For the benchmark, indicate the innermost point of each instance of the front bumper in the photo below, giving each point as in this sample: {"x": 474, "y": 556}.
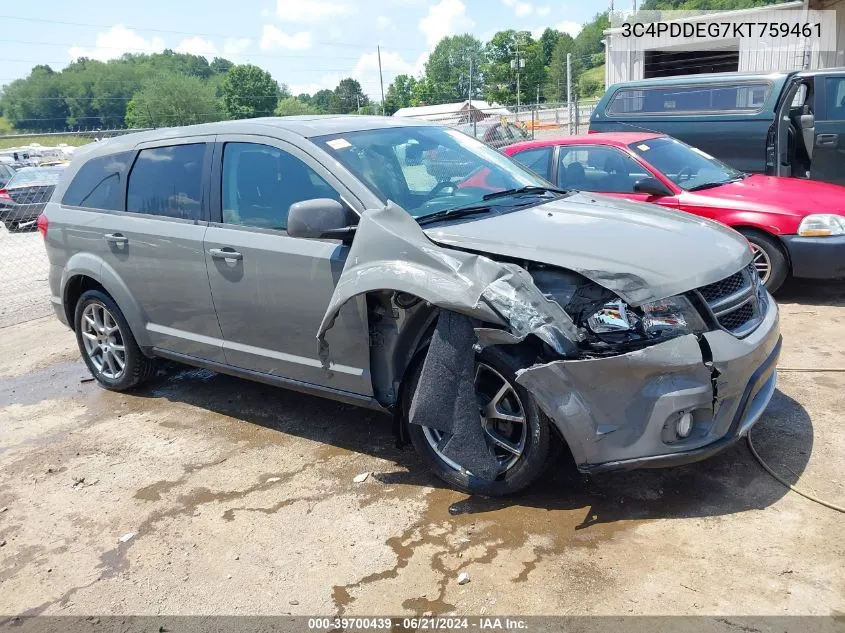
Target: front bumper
{"x": 816, "y": 257}
{"x": 620, "y": 412}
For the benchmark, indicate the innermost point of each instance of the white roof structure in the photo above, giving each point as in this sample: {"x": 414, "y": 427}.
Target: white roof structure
{"x": 447, "y": 110}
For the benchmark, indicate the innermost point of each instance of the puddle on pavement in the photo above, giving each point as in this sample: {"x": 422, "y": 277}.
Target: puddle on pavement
{"x": 62, "y": 380}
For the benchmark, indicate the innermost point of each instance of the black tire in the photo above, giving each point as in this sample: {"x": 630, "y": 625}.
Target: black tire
{"x": 778, "y": 262}
{"x": 521, "y": 474}
{"x": 137, "y": 368}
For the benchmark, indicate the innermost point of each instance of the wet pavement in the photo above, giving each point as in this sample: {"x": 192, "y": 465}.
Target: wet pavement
{"x": 202, "y": 493}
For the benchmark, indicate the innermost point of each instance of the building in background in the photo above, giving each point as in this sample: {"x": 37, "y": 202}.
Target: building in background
{"x": 630, "y": 58}
{"x": 460, "y": 112}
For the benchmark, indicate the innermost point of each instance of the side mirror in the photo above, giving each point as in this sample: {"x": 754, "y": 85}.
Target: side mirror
{"x": 652, "y": 186}
{"x": 321, "y": 218}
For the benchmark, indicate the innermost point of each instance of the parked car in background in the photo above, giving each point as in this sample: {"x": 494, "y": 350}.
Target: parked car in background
{"x": 779, "y": 124}
{"x": 231, "y": 245}
{"x": 23, "y": 198}
{"x": 6, "y": 173}
{"x": 496, "y": 134}
{"x": 795, "y": 227}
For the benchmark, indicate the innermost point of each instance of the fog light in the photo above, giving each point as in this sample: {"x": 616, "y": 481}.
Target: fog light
{"x": 684, "y": 426}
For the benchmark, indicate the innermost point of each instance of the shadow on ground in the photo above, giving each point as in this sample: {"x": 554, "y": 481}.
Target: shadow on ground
{"x": 728, "y": 483}
{"x": 812, "y": 292}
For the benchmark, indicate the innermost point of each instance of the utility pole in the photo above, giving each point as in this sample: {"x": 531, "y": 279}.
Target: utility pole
{"x": 569, "y": 90}
{"x": 517, "y": 64}
{"x": 472, "y": 116}
{"x": 380, "y": 78}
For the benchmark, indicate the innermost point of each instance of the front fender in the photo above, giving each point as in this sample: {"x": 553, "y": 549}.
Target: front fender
{"x": 391, "y": 252}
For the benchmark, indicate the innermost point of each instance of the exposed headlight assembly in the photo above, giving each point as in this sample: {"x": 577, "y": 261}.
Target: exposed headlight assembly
{"x": 662, "y": 319}
{"x": 822, "y": 224}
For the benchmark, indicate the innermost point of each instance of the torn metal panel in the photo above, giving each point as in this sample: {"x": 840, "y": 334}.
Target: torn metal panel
{"x": 391, "y": 252}
{"x": 639, "y": 251}
{"x": 445, "y": 398}
{"x": 615, "y": 408}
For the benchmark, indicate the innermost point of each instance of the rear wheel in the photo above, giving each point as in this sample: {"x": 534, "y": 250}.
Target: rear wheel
{"x": 107, "y": 345}
{"x": 513, "y": 427}
{"x": 769, "y": 259}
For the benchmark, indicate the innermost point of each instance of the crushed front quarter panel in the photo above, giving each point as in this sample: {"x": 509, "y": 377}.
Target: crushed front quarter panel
{"x": 391, "y": 252}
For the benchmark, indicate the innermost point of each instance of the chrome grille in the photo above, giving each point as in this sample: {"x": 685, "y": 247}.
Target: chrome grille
{"x": 737, "y": 303}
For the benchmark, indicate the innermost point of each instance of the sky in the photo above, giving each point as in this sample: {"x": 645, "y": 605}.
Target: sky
{"x": 306, "y": 44}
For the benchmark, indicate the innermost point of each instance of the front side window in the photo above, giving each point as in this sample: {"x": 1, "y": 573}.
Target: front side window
{"x": 167, "y": 181}
{"x": 261, "y": 182}
{"x": 97, "y": 185}
{"x": 688, "y": 167}
{"x": 426, "y": 169}
{"x": 597, "y": 168}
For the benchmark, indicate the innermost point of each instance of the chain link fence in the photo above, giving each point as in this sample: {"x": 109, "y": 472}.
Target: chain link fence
{"x": 30, "y": 166}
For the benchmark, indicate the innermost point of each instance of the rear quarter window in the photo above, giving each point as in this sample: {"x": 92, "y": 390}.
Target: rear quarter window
{"x": 693, "y": 99}
{"x": 167, "y": 181}
{"x": 99, "y": 183}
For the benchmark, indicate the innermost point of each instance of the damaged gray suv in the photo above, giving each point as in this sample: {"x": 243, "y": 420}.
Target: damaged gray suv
{"x": 409, "y": 268}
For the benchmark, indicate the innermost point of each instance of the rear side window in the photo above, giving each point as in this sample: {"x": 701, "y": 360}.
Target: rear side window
{"x": 167, "y": 181}
{"x": 98, "y": 183}
{"x": 746, "y": 97}
{"x": 538, "y": 160}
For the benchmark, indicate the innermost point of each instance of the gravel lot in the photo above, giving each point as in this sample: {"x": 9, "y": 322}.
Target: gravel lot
{"x": 204, "y": 494}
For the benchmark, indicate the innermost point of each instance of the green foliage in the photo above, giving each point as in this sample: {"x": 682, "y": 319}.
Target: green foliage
{"x": 447, "y": 71}
{"x": 709, "y": 5}
{"x": 400, "y": 93}
{"x": 171, "y": 100}
{"x": 322, "y": 99}
{"x": 293, "y": 105}
{"x": 347, "y": 98}
{"x": 591, "y": 82}
{"x": 5, "y": 126}
{"x": 555, "y": 89}
{"x": 501, "y": 78}
{"x": 249, "y": 92}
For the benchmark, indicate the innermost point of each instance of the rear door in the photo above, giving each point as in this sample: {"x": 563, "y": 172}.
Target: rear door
{"x": 828, "y": 161}
{"x": 271, "y": 290}
{"x": 148, "y": 229}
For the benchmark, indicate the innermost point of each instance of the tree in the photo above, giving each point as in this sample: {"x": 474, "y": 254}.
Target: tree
{"x": 322, "y": 100}
{"x": 35, "y": 103}
{"x": 292, "y": 105}
{"x": 347, "y": 97}
{"x": 173, "y": 100}
{"x": 589, "y": 41}
{"x": 556, "y": 74}
{"x": 250, "y": 92}
{"x": 220, "y": 65}
{"x": 448, "y": 67}
{"x": 548, "y": 40}
{"x": 501, "y": 79}
{"x": 400, "y": 93}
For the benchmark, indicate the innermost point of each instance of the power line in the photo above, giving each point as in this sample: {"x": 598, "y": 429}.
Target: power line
{"x": 184, "y": 33}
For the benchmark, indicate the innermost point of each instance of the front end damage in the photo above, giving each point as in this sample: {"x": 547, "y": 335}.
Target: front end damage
{"x": 616, "y": 402}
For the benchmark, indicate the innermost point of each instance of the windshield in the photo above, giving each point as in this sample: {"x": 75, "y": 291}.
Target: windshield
{"x": 688, "y": 167}
{"x": 38, "y": 176}
{"x": 427, "y": 170}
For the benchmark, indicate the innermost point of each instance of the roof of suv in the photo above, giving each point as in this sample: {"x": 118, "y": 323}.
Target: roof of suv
{"x": 303, "y": 125}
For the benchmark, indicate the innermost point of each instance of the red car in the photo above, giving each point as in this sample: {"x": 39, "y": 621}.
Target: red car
{"x": 795, "y": 227}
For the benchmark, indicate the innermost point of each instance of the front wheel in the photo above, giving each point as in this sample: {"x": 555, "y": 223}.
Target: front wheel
{"x": 107, "y": 345}
{"x": 769, "y": 259}
{"x": 513, "y": 427}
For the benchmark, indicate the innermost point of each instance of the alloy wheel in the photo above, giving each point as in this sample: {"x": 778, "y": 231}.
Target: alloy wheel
{"x": 103, "y": 341}
{"x": 762, "y": 262}
{"x": 501, "y": 415}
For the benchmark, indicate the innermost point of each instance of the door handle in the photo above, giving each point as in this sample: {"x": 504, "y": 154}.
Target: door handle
{"x": 224, "y": 253}
{"x": 827, "y": 140}
{"x": 115, "y": 238}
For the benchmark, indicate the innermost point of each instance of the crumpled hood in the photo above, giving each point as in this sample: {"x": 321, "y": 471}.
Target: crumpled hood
{"x": 640, "y": 251}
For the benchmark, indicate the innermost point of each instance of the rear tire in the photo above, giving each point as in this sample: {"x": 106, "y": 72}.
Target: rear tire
{"x": 107, "y": 345}
{"x": 522, "y": 472}
{"x": 769, "y": 254}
